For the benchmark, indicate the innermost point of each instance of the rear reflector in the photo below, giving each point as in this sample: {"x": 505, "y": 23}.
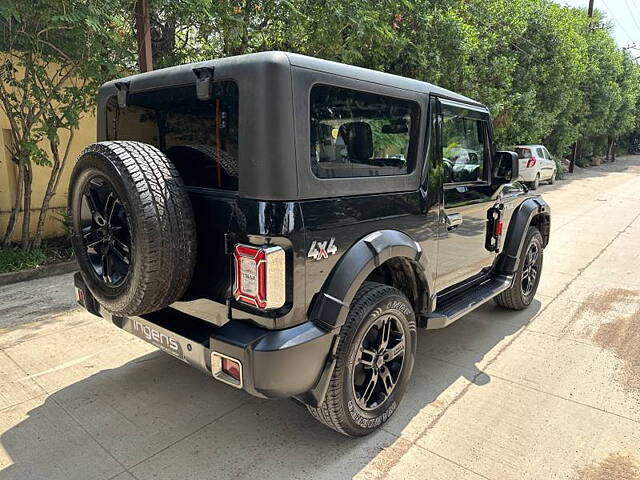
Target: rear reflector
{"x": 498, "y": 229}
{"x": 226, "y": 369}
{"x": 231, "y": 368}
{"x": 259, "y": 276}
{"x": 80, "y": 296}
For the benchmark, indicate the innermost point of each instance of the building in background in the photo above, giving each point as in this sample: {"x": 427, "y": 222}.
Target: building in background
{"x": 85, "y": 135}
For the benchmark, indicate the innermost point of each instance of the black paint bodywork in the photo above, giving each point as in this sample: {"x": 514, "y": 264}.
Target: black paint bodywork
{"x": 373, "y": 220}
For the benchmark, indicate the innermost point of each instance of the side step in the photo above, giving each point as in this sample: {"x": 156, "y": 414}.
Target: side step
{"x": 454, "y": 308}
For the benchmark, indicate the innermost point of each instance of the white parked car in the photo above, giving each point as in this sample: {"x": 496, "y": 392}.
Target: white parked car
{"x": 536, "y": 165}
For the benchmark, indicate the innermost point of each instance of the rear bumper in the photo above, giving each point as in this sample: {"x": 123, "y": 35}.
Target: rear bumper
{"x": 275, "y": 363}
{"x": 528, "y": 174}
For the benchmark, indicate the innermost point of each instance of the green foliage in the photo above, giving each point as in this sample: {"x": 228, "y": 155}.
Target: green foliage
{"x": 548, "y": 73}
{"x": 53, "y": 56}
{"x": 14, "y": 258}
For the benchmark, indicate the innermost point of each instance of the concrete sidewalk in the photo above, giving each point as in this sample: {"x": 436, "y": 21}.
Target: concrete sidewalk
{"x": 552, "y": 392}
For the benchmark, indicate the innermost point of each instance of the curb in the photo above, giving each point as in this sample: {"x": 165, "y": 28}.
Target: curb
{"x": 39, "y": 272}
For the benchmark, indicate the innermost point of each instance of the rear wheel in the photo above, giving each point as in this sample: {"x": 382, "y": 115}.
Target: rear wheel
{"x": 133, "y": 227}
{"x": 552, "y": 180}
{"x": 375, "y": 357}
{"x": 525, "y": 284}
{"x": 536, "y": 183}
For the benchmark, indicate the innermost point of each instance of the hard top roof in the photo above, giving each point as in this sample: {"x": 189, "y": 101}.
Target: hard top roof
{"x": 183, "y": 74}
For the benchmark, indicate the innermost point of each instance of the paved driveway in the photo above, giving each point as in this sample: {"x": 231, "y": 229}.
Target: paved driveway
{"x": 551, "y": 392}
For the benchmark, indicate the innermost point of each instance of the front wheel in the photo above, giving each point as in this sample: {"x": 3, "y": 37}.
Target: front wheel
{"x": 525, "y": 284}
{"x": 375, "y": 357}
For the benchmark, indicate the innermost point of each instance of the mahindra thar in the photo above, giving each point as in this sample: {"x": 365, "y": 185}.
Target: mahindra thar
{"x": 286, "y": 224}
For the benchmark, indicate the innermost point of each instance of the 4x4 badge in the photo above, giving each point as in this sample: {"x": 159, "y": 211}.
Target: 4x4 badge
{"x": 320, "y": 250}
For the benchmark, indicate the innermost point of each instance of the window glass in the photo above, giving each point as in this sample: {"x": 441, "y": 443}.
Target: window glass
{"x": 200, "y": 137}
{"x": 523, "y": 152}
{"x": 359, "y": 134}
{"x": 463, "y": 148}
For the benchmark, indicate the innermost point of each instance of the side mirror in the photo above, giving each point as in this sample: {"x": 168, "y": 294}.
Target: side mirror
{"x": 506, "y": 167}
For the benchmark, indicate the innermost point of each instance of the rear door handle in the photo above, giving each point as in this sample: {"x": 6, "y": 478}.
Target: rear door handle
{"x": 453, "y": 220}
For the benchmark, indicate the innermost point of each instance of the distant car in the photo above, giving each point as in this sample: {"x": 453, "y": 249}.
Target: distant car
{"x": 536, "y": 165}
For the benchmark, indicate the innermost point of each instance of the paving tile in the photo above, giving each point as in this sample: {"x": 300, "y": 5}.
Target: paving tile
{"x": 266, "y": 440}
{"x": 561, "y": 366}
{"x": 15, "y": 386}
{"x": 145, "y": 404}
{"x": 55, "y": 351}
{"x": 41, "y": 328}
{"x": 405, "y": 460}
{"x": 505, "y": 431}
{"x": 40, "y": 441}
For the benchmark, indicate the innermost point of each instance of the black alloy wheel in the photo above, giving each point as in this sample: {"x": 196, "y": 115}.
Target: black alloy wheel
{"x": 106, "y": 234}
{"x": 527, "y": 278}
{"x": 379, "y": 362}
{"x": 530, "y": 269}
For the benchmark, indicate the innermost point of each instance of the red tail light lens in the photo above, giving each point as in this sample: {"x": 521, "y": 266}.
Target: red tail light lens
{"x": 260, "y": 276}
{"x": 231, "y": 368}
{"x": 531, "y": 162}
{"x": 498, "y": 229}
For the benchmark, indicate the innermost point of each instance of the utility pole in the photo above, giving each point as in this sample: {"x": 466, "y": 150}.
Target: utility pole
{"x": 590, "y": 10}
{"x": 143, "y": 36}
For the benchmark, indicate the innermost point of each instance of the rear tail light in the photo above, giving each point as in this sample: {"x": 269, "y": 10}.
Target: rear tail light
{"x": 260, "y": 276}
{"x": 531, "y": 162}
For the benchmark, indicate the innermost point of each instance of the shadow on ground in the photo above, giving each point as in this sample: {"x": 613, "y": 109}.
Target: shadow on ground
{"x": 159, "y": 418}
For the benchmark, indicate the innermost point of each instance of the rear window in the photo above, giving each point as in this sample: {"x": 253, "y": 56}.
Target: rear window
{"x": 200, "y": 137}
{"x": 360, "y": 134}
{"x": 523, "y": 152}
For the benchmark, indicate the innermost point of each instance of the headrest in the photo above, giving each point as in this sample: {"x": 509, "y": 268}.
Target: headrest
{"x": 359, "y": 140}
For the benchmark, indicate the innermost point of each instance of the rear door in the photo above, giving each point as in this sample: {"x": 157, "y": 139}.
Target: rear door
{"x": 465, "y": 152}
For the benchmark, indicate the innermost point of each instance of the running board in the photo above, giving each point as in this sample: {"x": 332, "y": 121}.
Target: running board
{"x": 458, "y": 306}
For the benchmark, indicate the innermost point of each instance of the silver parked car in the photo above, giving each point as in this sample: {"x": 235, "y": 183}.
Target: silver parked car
{"x": 536, "y": 165}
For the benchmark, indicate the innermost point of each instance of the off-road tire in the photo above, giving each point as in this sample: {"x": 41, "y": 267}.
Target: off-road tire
{"x": 339, "y": 410}
{"x": 513, "y": 298}
{"x": 159, "y": 216}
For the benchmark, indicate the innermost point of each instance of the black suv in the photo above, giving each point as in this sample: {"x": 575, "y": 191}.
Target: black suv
{"x": 286, "y": 224}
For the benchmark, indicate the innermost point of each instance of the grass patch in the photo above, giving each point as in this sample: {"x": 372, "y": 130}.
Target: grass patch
{"x": 13, "y": 258}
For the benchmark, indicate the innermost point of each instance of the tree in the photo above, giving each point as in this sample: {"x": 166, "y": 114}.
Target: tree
{"x": 53, "y": 55}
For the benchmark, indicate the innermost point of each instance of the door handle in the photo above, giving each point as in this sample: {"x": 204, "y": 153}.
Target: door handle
{"x": 453, "y": 221}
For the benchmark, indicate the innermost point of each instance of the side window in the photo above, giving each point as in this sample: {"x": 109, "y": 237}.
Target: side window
{"x": 359, "y": 134}
{"x": 541, "y": 152}
{"x": 464, "y": 149}
{"x": 547, "y": 155}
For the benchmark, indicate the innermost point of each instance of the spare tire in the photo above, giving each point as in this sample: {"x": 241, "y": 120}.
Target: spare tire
{"x": 134, "y": 234}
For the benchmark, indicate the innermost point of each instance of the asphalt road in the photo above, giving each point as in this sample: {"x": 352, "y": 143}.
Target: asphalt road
{"x": 552, "y": 392}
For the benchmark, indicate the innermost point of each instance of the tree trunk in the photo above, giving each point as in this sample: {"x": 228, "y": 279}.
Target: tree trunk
{"x": 613, "y": 149}
{"x": 26, "y": 206}
{"x": 52, "y": 186}
{"x": 16, "y": 207}
{"x": 572, "y": 162}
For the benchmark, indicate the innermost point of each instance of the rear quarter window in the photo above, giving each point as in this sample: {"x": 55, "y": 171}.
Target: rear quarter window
{"x": 361, "y": 134}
